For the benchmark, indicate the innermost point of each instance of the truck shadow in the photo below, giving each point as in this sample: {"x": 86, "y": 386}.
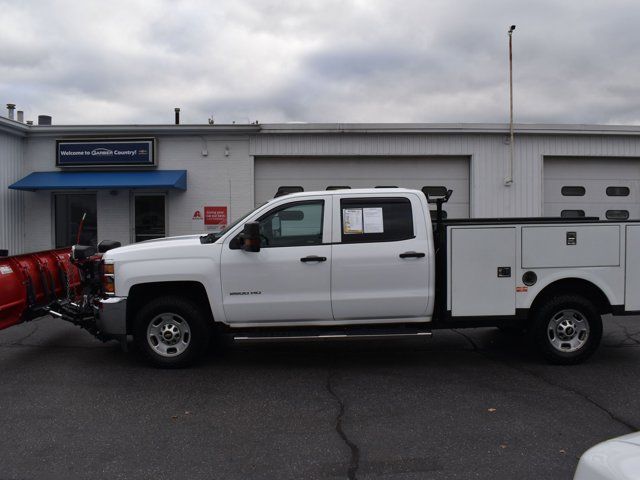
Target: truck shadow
{"x": 450, "y": 346}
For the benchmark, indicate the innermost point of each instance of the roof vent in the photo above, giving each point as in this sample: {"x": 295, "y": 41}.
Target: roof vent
{"x": 20, "y": 116}
{"x": 11, "y": 107}
{"x": 44, "y": 119}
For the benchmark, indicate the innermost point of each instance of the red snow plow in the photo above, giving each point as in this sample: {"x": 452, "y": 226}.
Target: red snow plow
{"x": 64, "y": 283}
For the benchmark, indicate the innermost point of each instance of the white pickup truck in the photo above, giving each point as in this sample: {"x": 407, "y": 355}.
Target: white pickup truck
{"x": 368, "y": 262}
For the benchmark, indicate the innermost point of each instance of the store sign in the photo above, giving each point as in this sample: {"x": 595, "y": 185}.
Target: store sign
{"x": 215, "y": 216}
{"x": 115, "y": 152}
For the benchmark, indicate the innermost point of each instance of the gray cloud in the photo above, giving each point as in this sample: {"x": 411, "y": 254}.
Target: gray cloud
{"x": 285, "y": 60}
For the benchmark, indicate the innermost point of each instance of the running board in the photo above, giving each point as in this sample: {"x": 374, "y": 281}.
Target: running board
{"x": 302, "y": 336}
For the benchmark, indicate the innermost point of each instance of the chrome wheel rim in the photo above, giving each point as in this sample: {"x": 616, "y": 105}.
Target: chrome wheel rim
{"x": 168, "y": 334}
{"x": 568, "y": 330}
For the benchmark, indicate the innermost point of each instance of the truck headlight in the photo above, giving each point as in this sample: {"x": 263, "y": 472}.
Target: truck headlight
{"x": 108, "y": 279}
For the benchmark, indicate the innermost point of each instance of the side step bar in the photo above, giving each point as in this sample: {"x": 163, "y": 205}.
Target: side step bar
{"x": 299, "y": 335}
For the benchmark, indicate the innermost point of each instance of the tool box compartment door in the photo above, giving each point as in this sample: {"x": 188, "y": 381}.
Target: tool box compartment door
{"x": 483, "y": 268}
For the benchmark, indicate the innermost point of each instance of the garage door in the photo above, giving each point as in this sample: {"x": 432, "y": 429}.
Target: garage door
{"x": 312, "y": 173}
{"x": 608, "y": 188}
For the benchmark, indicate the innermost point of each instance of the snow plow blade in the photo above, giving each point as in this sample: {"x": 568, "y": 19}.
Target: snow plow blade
{"x": 32, "y": 282}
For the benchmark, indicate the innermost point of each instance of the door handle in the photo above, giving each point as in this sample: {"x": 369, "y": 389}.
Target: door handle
{"x": 412, "y": 255}
{"x": 313, "y": 258}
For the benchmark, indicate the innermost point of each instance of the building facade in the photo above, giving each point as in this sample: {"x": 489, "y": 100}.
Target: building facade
{"x": 197, "y": 178}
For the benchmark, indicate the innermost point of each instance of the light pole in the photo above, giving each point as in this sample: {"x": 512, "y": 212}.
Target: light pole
{"x": 509, "y": 179}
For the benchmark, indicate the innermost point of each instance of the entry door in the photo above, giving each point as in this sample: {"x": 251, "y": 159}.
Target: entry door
{"x": 149, "y": 217}
{"x": 288, "y": 280}
{"x": 381, "y": 260}
{"x": 69, "y": 211}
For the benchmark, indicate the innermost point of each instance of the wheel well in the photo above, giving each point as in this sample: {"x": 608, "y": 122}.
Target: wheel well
{"x": 142, "y": 293}
{"x": 575, "y": 286}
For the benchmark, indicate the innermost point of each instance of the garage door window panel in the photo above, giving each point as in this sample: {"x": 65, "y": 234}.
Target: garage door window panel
{"x": 395, "y": 225}
{"x": 572, "y": 213}
{"x": 573, "y": 191}
{"x": 617, "y": 214}
{"x": 293, "y": 225}
{"x": 286, "y": 190}
{"x": 618, "y": 191}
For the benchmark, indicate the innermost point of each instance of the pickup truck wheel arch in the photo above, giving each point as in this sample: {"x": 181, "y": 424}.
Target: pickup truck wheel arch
{"x": 566, "y": 328}
{"x": 573, "y": 286}
{"x": 143, "y": 293}
{"x": 171, "y": 331}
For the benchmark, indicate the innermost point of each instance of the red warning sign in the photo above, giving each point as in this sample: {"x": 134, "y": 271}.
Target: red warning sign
{"x": 215, "y": 216}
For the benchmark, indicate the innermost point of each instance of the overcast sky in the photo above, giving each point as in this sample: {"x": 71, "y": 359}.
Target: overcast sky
{"x": 133, "y": 61}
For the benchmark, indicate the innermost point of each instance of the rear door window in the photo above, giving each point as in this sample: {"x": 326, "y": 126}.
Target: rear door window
{"x": 376, "y": 220}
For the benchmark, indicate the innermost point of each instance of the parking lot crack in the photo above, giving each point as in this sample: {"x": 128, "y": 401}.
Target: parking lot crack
{"x": 541, "y": 378}
{"x": 354, "y": 461}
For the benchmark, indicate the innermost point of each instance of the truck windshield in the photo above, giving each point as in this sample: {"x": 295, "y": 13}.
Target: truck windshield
{"x": 212, "y": 237}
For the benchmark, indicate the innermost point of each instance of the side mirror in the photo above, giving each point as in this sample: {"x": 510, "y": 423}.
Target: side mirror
{"x": 251, "y": 237}
{"x": 82, "y": 252}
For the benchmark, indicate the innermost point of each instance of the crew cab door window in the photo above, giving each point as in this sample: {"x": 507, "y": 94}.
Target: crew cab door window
{"x": 293, "y": 225}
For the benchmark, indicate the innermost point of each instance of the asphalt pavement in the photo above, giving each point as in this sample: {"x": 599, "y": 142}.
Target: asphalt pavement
{"x": 465, "y": 404}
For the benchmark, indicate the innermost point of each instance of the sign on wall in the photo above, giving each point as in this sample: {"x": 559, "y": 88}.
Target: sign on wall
{"x": 210, "y": 217}
{"x": 215, "y": 216}
{"x": 113, "y": 152}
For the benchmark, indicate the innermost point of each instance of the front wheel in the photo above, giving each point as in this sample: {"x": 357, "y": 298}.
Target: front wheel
{"x": 567, "y": 329}
{"x": 172, "y": 332}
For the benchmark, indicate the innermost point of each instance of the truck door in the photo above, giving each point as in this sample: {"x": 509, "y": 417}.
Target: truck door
{"x": 381, "y": 258}
{"x": 288, "y": 280}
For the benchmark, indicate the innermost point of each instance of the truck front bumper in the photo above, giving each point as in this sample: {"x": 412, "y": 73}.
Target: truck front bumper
{"x": 112, "y": 317}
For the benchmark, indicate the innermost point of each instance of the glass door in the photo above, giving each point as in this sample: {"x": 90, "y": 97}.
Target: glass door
{"x": 149, "y": 216}
{"x": 68, "y": 211}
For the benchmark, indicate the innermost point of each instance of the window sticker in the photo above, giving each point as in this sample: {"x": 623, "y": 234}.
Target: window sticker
{"x": 352, "y": 220}
{"x": 373, "y": 220}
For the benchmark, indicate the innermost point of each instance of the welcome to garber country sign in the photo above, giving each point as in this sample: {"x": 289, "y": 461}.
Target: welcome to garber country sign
{"x": 116, "y": 152}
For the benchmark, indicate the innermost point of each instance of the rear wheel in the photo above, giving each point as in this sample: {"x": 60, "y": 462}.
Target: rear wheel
{"x": 172, "y": 332}
{"x": 567, "y": 329}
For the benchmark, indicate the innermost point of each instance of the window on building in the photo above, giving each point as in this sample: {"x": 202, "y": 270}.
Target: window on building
{"x": 575, "y": 191}
{"x": 617, "y": 191}
{"x": 286, "y": 190}
{"x": 149, "y": 211}
{"x": 572, "y": 213}
{"x": 293, "y": 225}
{"x": 376, "y": 220}
{"x": 617, "y": 214}
{"x": 68, "y": 211}
{"x": 338, "y": 187}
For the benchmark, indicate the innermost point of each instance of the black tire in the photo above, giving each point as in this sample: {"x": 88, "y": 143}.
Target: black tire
{"x": 556, "y": 319}
{"x": 178, "y": 318}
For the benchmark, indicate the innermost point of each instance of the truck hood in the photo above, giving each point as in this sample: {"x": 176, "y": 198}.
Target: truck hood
{"x": 157, "y": 248}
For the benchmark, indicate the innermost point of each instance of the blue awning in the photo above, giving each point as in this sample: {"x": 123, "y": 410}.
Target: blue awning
{"x": 176, "y": 179}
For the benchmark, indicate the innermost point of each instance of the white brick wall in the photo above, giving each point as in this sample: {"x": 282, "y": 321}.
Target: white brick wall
{"x": 215, "y": 180}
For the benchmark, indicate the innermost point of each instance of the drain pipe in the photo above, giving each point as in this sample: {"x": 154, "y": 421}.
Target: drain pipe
{"x": 508, "y": 181}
